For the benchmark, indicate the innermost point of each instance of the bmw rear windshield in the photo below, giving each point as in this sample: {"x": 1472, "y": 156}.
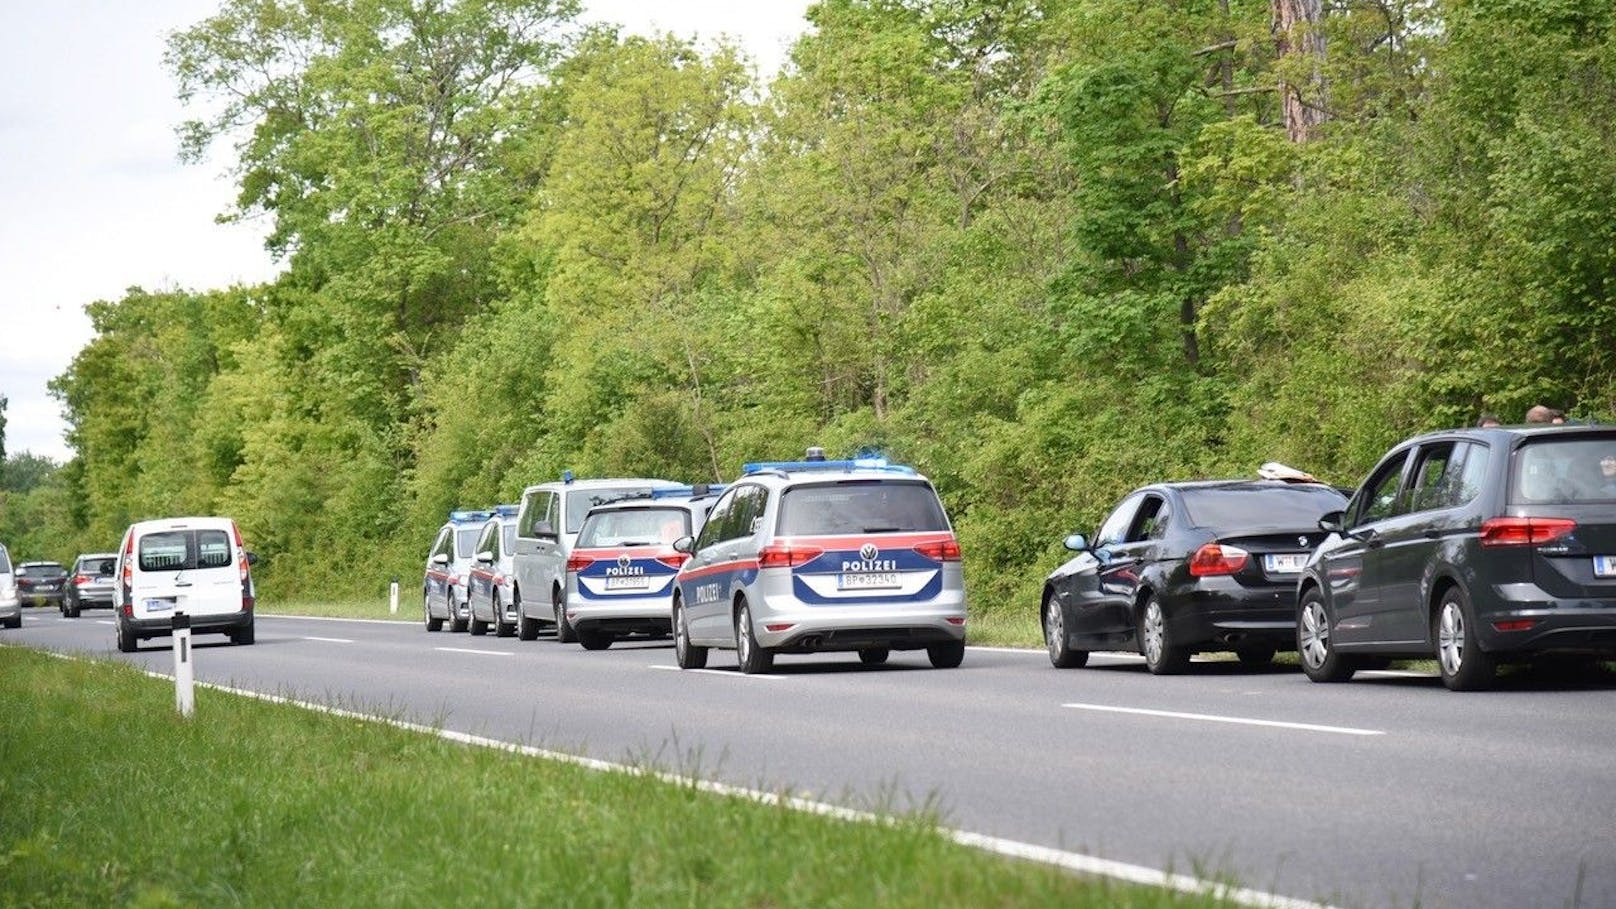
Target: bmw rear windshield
{"x": 43, "y": 570}
{"x": 1255, "y": 506}
{"x": 634, "y": 527}
{"x": 1563, "y": 471}
{"x": 861, "y": 506}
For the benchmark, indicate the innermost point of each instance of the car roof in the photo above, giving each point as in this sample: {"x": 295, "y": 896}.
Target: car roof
{"x": 39, "y": 564}
{"x": 1511, "y": 435}
{"x": 97, "y": 555}
{"x": 600, "y": 482}
{"x": 190, "y": 523}
{"x": 1248, "y": 484}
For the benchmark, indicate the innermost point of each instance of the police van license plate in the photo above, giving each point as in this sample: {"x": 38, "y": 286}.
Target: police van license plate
{"x": 867, "y": 580}
{"x": 1284, "y": 563}
{"x": 1605, "y": 566}
{"x": 637, "y": 582}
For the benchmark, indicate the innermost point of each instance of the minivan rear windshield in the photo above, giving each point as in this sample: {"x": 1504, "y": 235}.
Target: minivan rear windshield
{"x": 581, "y": 500}
{"x": 634, "y": 527}
{"x": 184, "y": 550}
{"x": 861, "y": 506}
{"x": 1564, "y": 471}
{"x": 1296, "y": 506}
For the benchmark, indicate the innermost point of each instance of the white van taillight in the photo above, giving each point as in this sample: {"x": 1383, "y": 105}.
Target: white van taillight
{"x": 246, "y": 576}
{"x": 129, "y": 575}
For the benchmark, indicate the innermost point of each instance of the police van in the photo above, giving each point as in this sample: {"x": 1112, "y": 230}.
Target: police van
{"x": 547, "y": 525}
{"x": 620, "y": 573}
{"x": 816, "y": 555}
{"x": 195, "y": 566}
{"x": 446, "y": 585}
{"x": 492, "y": 573}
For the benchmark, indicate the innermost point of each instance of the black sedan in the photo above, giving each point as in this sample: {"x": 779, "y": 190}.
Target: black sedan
{"x": 1185, "y": 568}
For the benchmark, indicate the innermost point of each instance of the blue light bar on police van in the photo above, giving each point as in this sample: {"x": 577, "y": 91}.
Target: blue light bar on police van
{"x": 695, "y": 491}
{"x": 507, "y": 511}
{"x": 462, "y": 515}
{"x": 853, "y": 464}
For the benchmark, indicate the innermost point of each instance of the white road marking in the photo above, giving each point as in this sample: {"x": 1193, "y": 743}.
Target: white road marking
{"x": 328, "y": 640}
{"x": 105, "y": 622}
{"x": 726, "y": 673}
{"x": 478, "y": 652}
{"x": 1211, "y": 718}
{"x": 1397, "y": 674}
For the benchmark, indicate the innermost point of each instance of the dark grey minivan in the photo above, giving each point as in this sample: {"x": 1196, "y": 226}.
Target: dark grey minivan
{"x": 1473, "y": 546}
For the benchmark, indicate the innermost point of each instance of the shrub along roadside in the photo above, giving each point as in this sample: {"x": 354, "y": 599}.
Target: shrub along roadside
{"x": 112, "y": 799}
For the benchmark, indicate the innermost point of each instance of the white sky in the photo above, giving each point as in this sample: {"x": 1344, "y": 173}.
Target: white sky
{"x": 93, "y": 199}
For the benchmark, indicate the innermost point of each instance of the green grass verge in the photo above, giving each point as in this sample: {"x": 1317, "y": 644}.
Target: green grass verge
{"x": 109, "y": 798}
{"x": 355, "y": 608}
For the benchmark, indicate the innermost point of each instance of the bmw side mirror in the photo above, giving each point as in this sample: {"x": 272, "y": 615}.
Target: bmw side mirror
{"x": 685, "y": 544}
{"x": 1331, "y": 522}
{"x": 1076, "y": 543}
{"x": 486, "y": 557}
{"x": 440, "y": 560}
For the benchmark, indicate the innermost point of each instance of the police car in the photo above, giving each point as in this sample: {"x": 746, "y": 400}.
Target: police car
{"x": 620, "y": 573}
{"x": 491, "y": 575}
{"x": 546, "y": 528}
{"x": 817, "y": 555}
{"x": 448, "y": 570}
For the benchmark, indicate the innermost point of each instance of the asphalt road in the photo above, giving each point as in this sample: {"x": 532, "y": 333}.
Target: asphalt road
{"x": 1389, "y": 791}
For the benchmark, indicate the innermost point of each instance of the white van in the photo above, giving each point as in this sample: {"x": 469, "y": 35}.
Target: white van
{"x": 195, "y": 566}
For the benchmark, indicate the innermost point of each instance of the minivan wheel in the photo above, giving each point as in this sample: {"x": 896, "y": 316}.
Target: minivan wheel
{"x": 456, "y": 623}
{"x": 1464, "y": 666}
{"x": 594, "y": 639}
{"x": 433, "y": 623}
{"x": 686, "y": 654}
{"x": 565, "y": 633}
{"x": 502, "y": 628}
{"x": 752, "y": 657}
{"x": 478, "y": 626}
{"x": 946, "y": 656}
{"x": 1320, "y": 660}
{"x": 1061, "y": 655}
{"x": 1162, "y": 656}
{"x": 874, "y": 656}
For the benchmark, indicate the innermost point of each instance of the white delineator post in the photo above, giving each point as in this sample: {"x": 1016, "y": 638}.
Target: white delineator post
{"x": 184, "y": 678}
{"x": 392, "y": 597}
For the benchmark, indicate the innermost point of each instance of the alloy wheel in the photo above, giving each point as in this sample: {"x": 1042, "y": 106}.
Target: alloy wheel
{"x": 1315, "y": 635}
{"x": 1450, "y": 638}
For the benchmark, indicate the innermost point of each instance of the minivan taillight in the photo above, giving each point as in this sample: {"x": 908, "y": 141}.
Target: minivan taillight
{"x": 578, "y": 562}
{"x": 1524, "y": 531}
{"x": 676, "y": 560}
{"x": 940, "y": 550}
{"x": 1217, "y": 559}
{"x": 785, "y": 555}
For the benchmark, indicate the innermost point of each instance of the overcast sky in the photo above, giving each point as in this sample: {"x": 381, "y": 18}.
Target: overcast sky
{"x": 93, "y": 199}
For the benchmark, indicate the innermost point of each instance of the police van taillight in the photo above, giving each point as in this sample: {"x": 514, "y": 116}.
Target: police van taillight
{"x": 675, "y": 561}
{"x": 579, "y": 562}
{"x": 785, "y": 555}
{"x": 940, "y": 550}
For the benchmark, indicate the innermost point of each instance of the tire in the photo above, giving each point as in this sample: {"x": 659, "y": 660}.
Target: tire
{"x": 433, "y": 623}
{"x": 456, "y": 624}
{"x": 1061, "y": 655}
{"x": 751, "y": 656}
{"x": 565, "y": 633}
{"x": 502, "y": 628}
{"x": 1255, "y": 655}
{"x": 1320, "y": 660}
{"x": 686, "y": 654}
{"x": 476, "y": 626}
{"x": 1459, "y": 656}
{"x": 595, "y": 640}
{"x": 73, "y": 611}
{"x": 242, "y": 635}
{"x": 127, "y": 642}
{"x": 946, "y": 656}
{"x": 1162, "y": 656}
{"x": 15, "y": 621}
{"x": 874, "y": 656}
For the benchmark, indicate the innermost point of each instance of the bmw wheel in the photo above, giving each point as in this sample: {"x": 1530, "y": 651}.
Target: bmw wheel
{"x": 1061, "y": 655}
{"x": 688, "y": 655}
{"x": 1162, "y": 656}
{"x": 1320, "y": 661}
{"x": 752, "y": 657}
{"x": 1465, "y": 667}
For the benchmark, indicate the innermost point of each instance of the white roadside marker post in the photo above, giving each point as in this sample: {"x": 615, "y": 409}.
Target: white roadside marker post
{"x": 392, "y": 597}
{"x": 184, "y": 679}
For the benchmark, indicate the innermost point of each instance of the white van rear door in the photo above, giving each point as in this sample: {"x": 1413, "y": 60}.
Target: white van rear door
{"x": 187, "y": 570}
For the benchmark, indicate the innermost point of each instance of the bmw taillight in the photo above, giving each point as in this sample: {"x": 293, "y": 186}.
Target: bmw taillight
{"x": 940, "y": 550}
{"x": 675, "y": 561}
{"x": 1217, "y": 559}
{"x": 1524, "y": 531}
{"x": 578, "y": 562}
{"x": 79, "y": 579}
{"x": 785, "y": 555}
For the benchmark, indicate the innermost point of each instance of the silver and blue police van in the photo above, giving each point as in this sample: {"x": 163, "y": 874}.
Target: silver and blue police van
{"x": 620, "y": 574}
{"x": 445, "y": 587}
{"x": 820, "y": 555}
{"x": 492, "y": 574}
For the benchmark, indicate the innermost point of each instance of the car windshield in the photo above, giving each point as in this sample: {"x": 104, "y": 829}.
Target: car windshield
{"x": 861, "y": 506}
{"x": 634, "y": 527}
{"x": 41, "y": 571}
{"x": 1564, "y": 471}
{"x": 1296, "y": 506}
{"x": 183, "y": 550}
{"x": 466, "y": 542}
{"x": 95, "y": 567}
{"x": 581, "y": 500}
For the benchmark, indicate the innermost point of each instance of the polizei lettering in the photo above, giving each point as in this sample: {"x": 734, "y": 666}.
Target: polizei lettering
{"x": 630, "y": 571}
{"x": 871, "y": 565}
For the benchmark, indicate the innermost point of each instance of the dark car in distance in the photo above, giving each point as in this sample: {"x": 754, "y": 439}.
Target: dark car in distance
{"x": 1473, "y": 546}
{"x": 41, "y": 583}
{"x": 1188, "y": 567}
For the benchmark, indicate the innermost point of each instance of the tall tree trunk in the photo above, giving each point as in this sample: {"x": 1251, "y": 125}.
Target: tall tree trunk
{"x": 1300, "y": 43}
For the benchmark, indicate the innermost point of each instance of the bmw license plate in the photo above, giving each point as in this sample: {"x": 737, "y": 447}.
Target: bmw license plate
{"x": 1284, "y": 562}
{"x": 1605, "y": 566}
{"x": 638, "y": 582}
{"x": 866, "y": 580}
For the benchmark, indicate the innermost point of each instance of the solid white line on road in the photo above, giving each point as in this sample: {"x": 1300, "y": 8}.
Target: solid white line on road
{"x": 328, "y": 640}
{"x": 1397, "y": 674}
{"x": 478, "y": 652}
{"x": 726, "y": 673}
{"x": 1212, "y": 718}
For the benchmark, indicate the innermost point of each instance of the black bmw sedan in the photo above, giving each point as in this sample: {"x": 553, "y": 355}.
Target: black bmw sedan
{"x": 1185, "y": 568}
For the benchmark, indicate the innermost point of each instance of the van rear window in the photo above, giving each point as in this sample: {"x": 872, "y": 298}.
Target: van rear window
{"x": 861, "y": 506}
{"x": 184, "y": 550}
{"x": 1564, "y": 471}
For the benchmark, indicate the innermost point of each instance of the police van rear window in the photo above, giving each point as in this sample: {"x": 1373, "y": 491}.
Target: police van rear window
{"x": 634, "y": 527}
{"x": 861, "y": 506}
{"x": 184, "y": 550}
